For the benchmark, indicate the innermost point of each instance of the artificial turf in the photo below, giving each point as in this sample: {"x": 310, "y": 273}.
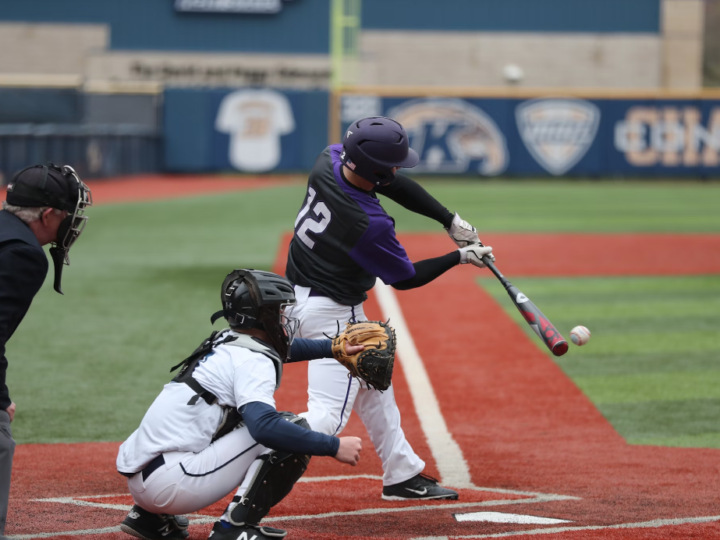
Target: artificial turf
{"x": 145, "y": 278}
{"x": 651, "y": 366}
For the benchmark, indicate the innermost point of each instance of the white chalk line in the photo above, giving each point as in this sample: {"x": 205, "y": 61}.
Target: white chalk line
{"x": 199, "y": 519}
{"x": 551, "y": 530}
{"x": 106, "y": 530}
{"x": 448, "y": 456}
{"x": 451, "y": 463}
{"x": 654, "y": 524}
{"x": 424, "y": 507}
{"x": 304, "y": 479}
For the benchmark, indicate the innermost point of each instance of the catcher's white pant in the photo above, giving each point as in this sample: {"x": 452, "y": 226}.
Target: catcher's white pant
{"x": 191, "y": 481}
{"x": 332, "y": 394}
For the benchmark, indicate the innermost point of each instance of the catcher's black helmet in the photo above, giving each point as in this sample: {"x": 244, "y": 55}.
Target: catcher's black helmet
{"x": 257, "y": 299}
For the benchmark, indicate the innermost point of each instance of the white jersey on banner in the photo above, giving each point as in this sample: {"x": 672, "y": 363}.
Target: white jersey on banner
{"x": 255, "y": 120}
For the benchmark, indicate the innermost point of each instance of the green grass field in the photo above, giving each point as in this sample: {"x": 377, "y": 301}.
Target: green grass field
{"x": 653, "y": 364}
{"x": 145, "y": 278}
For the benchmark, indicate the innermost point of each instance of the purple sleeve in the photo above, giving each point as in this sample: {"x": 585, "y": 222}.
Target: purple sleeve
{"x": 379, "y": 253}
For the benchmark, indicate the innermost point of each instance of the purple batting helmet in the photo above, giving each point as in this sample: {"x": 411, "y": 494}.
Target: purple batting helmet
{"x": 373, "y": 146}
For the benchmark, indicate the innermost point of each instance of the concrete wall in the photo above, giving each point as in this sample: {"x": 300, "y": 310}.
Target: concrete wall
{"x": 682, "y": 33}
{"x": 478, "y": 59}
{"x": 641, "y": 59}
{"x": 643, "y": 44}
{"x": 211, "y": 69}
{"x": 55, "y": 49}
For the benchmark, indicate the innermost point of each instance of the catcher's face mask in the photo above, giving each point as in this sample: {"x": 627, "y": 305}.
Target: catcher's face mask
{"x": 289, "y": 324}
{"x": 71, "y": 227}
{"x": 280, "y": 328}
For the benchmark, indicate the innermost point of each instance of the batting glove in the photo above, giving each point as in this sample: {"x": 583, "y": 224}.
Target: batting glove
{"x": 462, "y": 233}
{"x": 474, "y": 253}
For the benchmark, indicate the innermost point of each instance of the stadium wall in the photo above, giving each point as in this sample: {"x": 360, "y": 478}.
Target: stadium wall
{"x": 49, "y": 49}
{"x": 546, "y": 134}
{"x": 574, "y": 43}
{"x": 572, "y": 60}
{"x": 154, "y": 25}
{"x": 248, "y": 130}
{"x": 530, "y": 134}
{"x": 100, "y": 134}
{"x": 608, "y": 16}
{"x": 260, "y": 130}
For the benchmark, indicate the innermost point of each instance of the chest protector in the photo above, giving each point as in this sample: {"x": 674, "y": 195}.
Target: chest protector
{"x": 231, "y": 416}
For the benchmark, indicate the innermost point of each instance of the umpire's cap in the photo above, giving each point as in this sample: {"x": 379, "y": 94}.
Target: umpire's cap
{"x": 43, "y": 185}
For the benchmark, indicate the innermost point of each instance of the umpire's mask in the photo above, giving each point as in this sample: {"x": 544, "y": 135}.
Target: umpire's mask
{"x": 60, "y": 188}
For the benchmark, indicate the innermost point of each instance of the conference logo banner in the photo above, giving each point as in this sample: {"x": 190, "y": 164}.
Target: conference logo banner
{"x": 229, "y": 6}
{"x": 669, "y": 136}
{"x": 557, "y": 132}
{"x": 452, "y": 136}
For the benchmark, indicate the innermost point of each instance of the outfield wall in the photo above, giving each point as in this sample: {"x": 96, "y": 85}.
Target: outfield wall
{"x": 99, "y": 134}
{"x": 249, "y": 130}
{"x": 259, "y": 130}
{"x": 555, "y": 135}
{"x": 263, "y": 130}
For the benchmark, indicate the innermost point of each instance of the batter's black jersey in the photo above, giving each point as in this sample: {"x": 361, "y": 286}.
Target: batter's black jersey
{"x": 343, "y": 238}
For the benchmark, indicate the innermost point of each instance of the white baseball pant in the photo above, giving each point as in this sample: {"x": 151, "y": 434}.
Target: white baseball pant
{"x": 189, "y": 481}
{"x": 332, "y": 394}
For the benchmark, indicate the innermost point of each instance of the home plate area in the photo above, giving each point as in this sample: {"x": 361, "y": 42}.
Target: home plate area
{"x": 502, "y": 415}
{"x": 319, "y": 507}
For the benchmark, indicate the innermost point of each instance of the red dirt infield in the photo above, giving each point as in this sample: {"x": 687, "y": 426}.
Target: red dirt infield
{"x": 524, "y": 428}
{"x": 619, "y": 254}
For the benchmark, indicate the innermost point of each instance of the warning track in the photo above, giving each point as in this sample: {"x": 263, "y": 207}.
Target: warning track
{"x": 161, "y": 187}
{"x": 531, "y": 442}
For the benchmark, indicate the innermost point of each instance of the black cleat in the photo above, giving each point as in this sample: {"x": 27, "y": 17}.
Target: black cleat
{"x": 419, "y": 487}
{"x": 148, "y": 526}
{"x": 222, "y": 530}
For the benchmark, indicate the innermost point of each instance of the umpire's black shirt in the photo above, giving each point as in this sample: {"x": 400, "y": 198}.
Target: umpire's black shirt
{"x": 23, "y": 267}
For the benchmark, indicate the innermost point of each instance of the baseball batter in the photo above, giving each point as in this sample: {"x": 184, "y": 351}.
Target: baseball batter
{"x": 343, "y": 241}
{"x": 191, "y": 448}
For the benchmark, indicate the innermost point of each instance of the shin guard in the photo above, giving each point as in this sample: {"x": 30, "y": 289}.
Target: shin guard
{"x": 271, "y": 483}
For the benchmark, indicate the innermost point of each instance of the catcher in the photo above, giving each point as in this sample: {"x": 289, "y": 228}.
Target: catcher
{"x": 214, "y": 428}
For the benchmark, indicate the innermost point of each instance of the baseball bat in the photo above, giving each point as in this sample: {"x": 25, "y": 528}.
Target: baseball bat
{"x": 534, "y": 317}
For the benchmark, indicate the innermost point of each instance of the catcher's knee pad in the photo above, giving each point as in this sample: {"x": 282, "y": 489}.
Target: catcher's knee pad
{"x": 272, "y": 482}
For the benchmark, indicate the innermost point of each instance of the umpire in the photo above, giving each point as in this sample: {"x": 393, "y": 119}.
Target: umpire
{"x": 45, "y": 205}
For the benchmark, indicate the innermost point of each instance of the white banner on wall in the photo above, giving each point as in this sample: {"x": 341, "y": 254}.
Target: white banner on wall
{"x": 229, "y": 6}
{"x": 255, "y": 120}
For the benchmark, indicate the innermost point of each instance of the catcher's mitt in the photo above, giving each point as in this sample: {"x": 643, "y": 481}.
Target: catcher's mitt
{"x": 374, "y": 364}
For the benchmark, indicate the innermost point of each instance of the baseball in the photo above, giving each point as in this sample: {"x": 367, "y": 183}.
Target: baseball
{"x": 580, "y": 335}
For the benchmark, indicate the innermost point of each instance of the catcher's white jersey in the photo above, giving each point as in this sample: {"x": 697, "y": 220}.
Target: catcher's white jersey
{"x": 234, "y": 374}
